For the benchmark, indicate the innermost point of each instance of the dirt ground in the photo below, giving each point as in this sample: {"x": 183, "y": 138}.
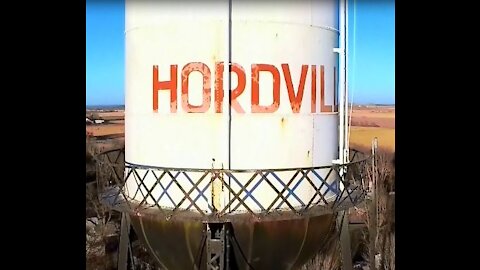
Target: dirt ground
{"x": 115, "y": 125}
{"x": 106, "y": 129}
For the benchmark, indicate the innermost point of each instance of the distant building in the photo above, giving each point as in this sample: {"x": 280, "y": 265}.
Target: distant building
{"x": 96, "y": 121}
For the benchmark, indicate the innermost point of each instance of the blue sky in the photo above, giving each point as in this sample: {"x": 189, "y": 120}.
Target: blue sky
{"x": 371, "y": 53}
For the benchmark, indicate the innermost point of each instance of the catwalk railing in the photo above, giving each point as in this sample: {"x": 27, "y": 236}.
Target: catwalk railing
{"x": 196, "y": 186}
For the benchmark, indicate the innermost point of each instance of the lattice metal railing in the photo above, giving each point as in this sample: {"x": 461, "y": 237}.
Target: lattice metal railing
{"x": 195, "y": 186}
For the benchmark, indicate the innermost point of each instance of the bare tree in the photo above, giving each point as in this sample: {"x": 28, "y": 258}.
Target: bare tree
{"x": 99, "y": 228}
{"x": 384, "y": 225}
{"x": 329, "y": 256}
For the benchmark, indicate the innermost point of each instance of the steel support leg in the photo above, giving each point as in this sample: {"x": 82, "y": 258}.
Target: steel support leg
{"x": 124, "y": 244}
{"x": 345, "y": 244}
{"x": 217, "y": 246}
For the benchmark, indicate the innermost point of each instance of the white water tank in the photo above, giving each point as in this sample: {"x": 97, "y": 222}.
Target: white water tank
{"x": 284, "y": 111}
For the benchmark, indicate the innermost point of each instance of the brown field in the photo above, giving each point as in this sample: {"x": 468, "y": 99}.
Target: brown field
{"x": 118, "y": 115}
{"x": 367, "y": 123}
{"x": 370, "y": 122}
{"x": 107, "y": 129}
{"x": 118, "y": 122}
{"x": 116, "y": 125}
{"x": 362, "y": 137}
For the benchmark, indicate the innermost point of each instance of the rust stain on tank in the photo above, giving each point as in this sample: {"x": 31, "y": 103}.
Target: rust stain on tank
{"x": 276, "y": 244}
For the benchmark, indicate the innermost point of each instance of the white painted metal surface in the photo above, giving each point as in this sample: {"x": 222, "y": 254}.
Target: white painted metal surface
{"x": 276, "y": 50}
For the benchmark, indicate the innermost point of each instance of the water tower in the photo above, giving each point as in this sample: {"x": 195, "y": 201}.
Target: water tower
{"x": 234, "y": 132}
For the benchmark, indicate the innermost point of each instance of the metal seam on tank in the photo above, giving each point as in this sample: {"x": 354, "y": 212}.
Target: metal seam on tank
{"x": 148, "y": 243}
{"x": 187, "y": 240}
{"x": 250, "y": 245}
{"x": 141, "y": 26}
{"x": 307, "y": 221}
{"x": 131, "y": 29}
{"x": 313, "y": 139}
{"x": 324, "y": 27}
{"x": 150, "y": 167}
{"x": 328, "y": 28}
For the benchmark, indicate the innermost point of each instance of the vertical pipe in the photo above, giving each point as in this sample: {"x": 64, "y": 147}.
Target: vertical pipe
{"x": 346, "y": 134}
{"x": 229, "y": 82}
{"x": 345, "y": 234}
{"x": 341, "y": 84}
{"x": 227, "y": 86}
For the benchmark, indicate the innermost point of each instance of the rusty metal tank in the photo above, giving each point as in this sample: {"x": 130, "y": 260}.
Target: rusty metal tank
{"x": 277, "y": 244}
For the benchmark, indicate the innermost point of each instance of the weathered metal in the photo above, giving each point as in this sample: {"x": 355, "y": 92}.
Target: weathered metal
{"x": 279, "y": 244}
{"x": 282, "y": 239}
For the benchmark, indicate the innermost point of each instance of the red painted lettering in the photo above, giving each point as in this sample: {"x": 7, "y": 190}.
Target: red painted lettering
{"x": 295, "y": 95}
{"x": 238, "y": 69}
{"x": 323, "y": 107}
{"x": 295, "y": 100}
{"x": 242, "y": 81}
{"x": 256, "y": 69}
{"x": 314, "y": 89}
{"x": 165, "y": 85}
{"x": 205, "y": 71}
